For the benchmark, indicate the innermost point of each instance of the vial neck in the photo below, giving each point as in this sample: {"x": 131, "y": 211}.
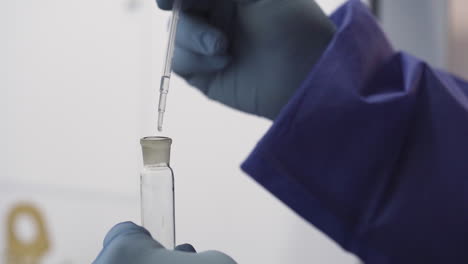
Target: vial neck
{"x": 156, "y": 157}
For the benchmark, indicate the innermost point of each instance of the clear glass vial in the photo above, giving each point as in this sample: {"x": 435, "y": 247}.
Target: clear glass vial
{"x": 157, "y": 190}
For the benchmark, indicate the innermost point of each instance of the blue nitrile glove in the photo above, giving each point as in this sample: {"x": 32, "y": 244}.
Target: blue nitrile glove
{"x": 128, "y": 243}
{"x": 249, "y": 54}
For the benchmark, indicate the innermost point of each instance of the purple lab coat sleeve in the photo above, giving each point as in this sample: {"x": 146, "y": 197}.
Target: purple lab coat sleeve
{"x": 373, "y": 150}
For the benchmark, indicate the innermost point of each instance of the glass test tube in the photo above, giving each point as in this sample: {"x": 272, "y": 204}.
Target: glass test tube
{"x": 157, "y": 190}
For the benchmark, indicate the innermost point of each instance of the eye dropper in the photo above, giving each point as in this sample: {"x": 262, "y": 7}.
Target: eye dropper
{"x": 166, "y": 77}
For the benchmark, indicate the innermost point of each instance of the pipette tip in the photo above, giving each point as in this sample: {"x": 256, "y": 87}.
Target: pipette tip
{"x": 160, "y": 121}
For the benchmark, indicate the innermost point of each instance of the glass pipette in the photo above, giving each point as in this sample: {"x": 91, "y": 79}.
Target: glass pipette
{"x": 166, "y": 77}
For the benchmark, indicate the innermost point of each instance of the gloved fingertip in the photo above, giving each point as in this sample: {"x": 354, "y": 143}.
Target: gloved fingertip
{"x": 186, "y": 248}
{"x": 187, "y": 63}
{"x": 121, "y": 229}
{"x": 164, "y": 4}
{"x": 214, "y": 43}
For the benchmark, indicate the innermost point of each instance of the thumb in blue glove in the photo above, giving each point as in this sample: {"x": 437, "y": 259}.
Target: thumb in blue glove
{"x": 249, "y": 54}
{"x": 127, "y": 243}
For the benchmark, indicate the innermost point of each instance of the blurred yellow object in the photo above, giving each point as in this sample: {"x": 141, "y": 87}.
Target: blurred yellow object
{"x": 25, "y": 252}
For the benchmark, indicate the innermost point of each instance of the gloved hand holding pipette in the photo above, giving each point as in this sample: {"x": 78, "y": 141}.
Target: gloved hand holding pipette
{"x": 250, "y": 55}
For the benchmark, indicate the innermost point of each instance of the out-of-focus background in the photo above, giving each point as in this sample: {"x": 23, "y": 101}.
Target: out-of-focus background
{"x": 79, "y": 82}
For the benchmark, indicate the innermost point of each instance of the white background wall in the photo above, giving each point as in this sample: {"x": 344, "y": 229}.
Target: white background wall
{"x": 458, "y": 38}
{"x": 79, "y": 84}
{"x": 426, "y": 17}
{"x": 442, "y": 31}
